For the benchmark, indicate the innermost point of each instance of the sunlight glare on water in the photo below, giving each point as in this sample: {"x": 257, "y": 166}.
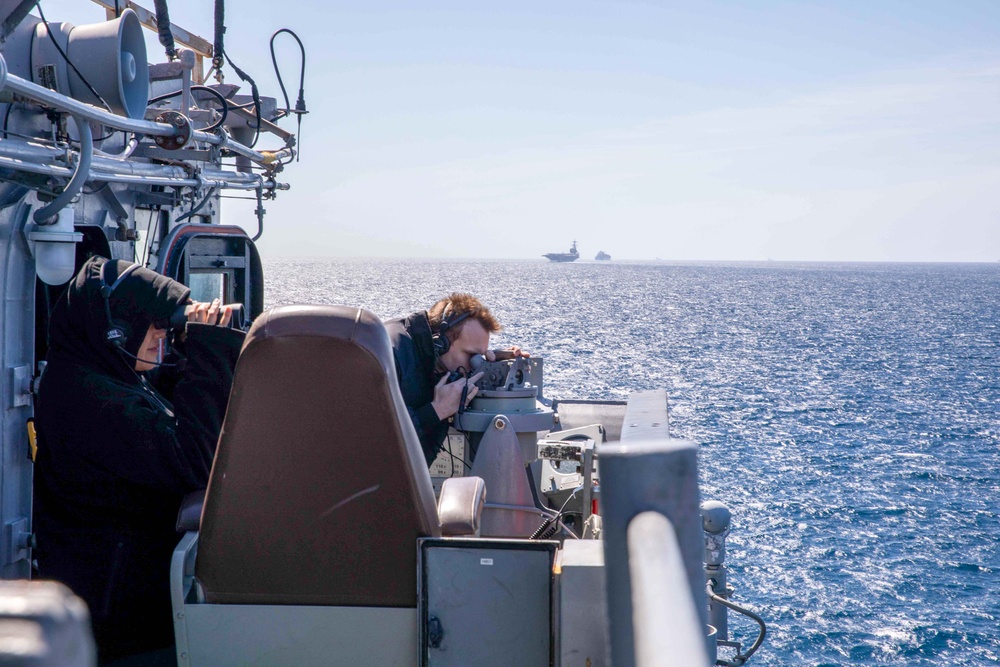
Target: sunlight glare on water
{"x": 848, "y": 413}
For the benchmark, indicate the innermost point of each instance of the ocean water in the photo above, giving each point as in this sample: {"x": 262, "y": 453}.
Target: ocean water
{"x": 849, "y": 414}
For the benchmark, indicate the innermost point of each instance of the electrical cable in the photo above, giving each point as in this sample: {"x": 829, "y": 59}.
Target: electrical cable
{"x": 455, "y": 457}
{"x": 220, "y": 56}
{"x": 163, "y": 28}
{"x": 552, "y": 523}
{"x": 207, "y": 89}
{"x": 147, "y": 361}
{"x": 6, "y": 118}
{"x": 300, "y": 103}
{"x": 55, "y": 43}
{"x": 195, "y": 209}
{"x": 150, "y": 234}
{"x": 47, "y": 214}
{"x": 254, "y": 92}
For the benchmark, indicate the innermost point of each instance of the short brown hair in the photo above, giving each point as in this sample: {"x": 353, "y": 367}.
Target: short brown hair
{"x": 456, "y": 304}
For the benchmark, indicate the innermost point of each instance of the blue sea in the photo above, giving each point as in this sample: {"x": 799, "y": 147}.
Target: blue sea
{"x": 849, "y": 414}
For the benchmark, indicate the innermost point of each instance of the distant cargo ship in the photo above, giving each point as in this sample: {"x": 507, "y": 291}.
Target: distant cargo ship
{"x": 602, "y": 256}
{"x": 570, "y": 256}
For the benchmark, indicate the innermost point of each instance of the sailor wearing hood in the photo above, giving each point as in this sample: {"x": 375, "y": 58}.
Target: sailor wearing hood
{"x": 116, "y": 453}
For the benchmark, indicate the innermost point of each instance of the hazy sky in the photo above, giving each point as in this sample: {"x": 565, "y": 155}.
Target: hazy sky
{"x": 679, "y": 130}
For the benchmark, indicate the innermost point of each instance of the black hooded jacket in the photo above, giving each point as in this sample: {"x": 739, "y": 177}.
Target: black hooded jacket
{"x": 416, "y": 368}
{"x": 115, "y": 455}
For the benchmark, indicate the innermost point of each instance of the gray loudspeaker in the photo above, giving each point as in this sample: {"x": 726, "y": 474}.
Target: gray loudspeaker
{"x": 111, "y": 56}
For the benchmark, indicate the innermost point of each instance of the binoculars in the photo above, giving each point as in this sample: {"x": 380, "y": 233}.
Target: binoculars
{"x": 177, "y": 321}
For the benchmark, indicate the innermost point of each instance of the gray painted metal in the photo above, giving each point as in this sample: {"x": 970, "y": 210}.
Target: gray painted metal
{"x": 492, "y": 598}
{"x": 716, "y": 517}
{"x": 17, "y": 347}
{"x": 500, "y": 463}
{"x": 667, "y": 627}
{"x": 232, "y": 634}
{"x": 575, "y": 414}
{"x": 583, "y": 608}
{"x": 646, "y": 416}
{"x": 45, "y": 160}
{"x": 648, "y": 475}
{"x": 42, "y": 624}
{"x": 149, "y": 128}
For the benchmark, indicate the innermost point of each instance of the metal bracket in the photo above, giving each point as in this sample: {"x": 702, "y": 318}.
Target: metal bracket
{"x": 17, "y": 541}
{"x": 14, "y": 17}
{"x": 184, "y": 130}
{"x": 20, "y": 386}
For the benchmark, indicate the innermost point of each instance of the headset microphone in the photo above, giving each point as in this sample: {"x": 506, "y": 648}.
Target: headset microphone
{"x": 147, "y": 361}
{"x": 117, "y": 332}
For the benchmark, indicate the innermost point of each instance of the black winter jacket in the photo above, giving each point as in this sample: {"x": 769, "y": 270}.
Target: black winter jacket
{"x": 116, "y": 455}
{"x": 416, "y": 369}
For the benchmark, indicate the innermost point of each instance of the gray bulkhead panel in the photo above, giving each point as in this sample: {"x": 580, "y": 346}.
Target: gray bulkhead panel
{"x": 17, "y": 346}
{"x": 609, "y": 414}
{"x": 235, "y": 634}
{"x": 583, "y": 607}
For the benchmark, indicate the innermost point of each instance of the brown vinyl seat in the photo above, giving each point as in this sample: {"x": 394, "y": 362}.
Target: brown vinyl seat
{"x": 319, "y": 489}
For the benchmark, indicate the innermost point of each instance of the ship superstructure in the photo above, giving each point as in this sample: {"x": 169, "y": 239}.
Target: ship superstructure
{"x": 570, "y": 256}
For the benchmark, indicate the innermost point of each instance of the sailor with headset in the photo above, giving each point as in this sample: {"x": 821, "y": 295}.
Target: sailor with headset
{"x": 433, "y": 351}
{"x": 117, "y": 450}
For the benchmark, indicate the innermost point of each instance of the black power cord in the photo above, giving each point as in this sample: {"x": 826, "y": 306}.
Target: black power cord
{"x": 220, "y": 56}
{"x": 300, "y": 103}
{"x": 198, "y": 207}
{"x": 222, "y": 100}
{"x": 163, "y": 28}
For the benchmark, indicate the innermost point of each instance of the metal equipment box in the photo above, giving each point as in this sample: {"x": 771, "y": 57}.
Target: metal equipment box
{"x": 485, "y": 602}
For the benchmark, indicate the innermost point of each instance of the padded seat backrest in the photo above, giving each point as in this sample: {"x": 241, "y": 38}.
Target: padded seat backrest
{"x": 319, "y": 489}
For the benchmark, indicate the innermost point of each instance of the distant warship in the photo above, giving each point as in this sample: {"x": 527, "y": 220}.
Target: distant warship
{"x": 602, "y": 256}
{"x": 570, "y": 256}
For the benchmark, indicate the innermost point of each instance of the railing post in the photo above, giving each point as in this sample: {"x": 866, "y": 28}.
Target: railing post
{"x": 639, "y": 476}
{"x": 667, "y": 631}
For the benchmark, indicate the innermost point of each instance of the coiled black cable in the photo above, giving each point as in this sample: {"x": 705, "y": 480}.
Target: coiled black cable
{"x": 300, "y": 103}
{"x": 222, "y": 100}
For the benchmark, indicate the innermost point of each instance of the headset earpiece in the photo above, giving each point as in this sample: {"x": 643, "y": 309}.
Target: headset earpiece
{"x": 117, "y": 332}
{"x": 440, "y": 339}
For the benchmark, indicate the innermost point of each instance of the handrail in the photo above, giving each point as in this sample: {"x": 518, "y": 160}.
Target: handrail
{"x": 666, "y": 624}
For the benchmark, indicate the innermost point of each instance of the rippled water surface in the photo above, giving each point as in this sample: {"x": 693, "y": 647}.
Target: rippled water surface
{"x": 848, "y": 413}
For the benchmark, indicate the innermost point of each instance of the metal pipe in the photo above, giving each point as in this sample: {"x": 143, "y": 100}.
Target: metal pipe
{"x": 139, "y": 179}
{"x": 63, "y": 103}
{"x": 667, "y": 628}
{"x": 39, "y": 159}
{"x": 48, "y": 213}
{"x": 130, "y": 147}
{"x": 740, "y": 658}
{"x": 260, "y": 215}
{"x": 149, "y": 128}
